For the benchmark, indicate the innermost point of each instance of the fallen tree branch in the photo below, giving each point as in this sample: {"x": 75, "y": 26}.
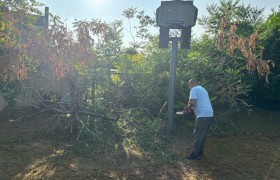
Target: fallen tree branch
{"x": 97, "y": 115}
{"x": 28, "y": 116}
{"x": 23, "y": 117}
{"x": 83, "y": 126}
{"x": 147, "y": 133}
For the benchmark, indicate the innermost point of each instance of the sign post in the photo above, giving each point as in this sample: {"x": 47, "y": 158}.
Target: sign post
{"x": 175, "y": 15}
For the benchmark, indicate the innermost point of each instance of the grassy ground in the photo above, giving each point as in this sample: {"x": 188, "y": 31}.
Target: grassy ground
{"x": 245, "y": 147}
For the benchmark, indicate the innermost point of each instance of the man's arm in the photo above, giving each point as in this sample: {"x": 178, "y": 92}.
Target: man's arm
{"x": 191, "y": 104}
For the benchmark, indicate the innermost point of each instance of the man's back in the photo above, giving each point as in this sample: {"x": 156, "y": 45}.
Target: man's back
{"x": 202, "y": 106}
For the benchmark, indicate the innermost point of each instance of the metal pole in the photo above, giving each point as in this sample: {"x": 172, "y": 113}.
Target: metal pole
{"x": 47, "y": 17}
{"x": 172, "y": 80}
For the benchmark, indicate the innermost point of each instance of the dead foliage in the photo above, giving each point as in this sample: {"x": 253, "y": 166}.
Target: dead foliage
{"x": 247, "y": 46}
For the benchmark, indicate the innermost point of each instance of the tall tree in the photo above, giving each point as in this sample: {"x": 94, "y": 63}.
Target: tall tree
{"x": 249, "y": 18}
{"x": 271, "y": 41}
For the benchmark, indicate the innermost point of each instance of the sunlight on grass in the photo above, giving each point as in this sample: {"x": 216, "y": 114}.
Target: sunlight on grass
{"x": 136, "y": 152}
{"x": 112, "y": 175}
{"x": 272, "y": 166}
{"x": 39, "y": 169}
{"x": 57, "y": 153}
{"x": 133, "y": 150}
{"x": 135, "y": 158}
{"x": 73, "y": 166}
{"x": 37, "y": 163}
{"x": 18, "y": 176}
{"x": 189, "y": 173}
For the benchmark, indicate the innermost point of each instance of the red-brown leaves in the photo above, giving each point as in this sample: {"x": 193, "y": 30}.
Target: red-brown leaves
{"x": 248, "y": 48}
{"x": 2, "y": 35}
{"x": 272, "y": 62}
{"x": 59, "y": 70}
{"x": 58, "y": 48}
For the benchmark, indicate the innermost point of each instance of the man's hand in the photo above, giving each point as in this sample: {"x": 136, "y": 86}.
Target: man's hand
{"x": 185, "y": 111}
{"x": 189, "y": 108}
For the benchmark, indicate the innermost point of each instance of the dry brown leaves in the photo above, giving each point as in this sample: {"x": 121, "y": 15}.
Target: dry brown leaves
{"x": 57, "y": 48}
{"x": 248, "y": 48}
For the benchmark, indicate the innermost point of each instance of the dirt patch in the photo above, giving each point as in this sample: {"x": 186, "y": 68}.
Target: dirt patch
{"x": 31, "y": 150}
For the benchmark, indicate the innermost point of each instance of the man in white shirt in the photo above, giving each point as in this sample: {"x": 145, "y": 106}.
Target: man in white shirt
{"x": 200, "y": 103}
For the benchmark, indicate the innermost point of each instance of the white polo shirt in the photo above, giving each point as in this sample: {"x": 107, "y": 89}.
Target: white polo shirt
{"x": 202, "y": 107}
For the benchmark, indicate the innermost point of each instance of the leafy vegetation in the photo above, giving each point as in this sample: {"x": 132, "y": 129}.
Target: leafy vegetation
{"x": 114, "y": 112}
{"x": 121, "y": 93}
{"x": 270, "y": 40}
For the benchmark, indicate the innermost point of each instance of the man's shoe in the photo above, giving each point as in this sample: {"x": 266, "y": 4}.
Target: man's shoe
{"x": 192, "y": 157}
{"x": 200, "y": 154}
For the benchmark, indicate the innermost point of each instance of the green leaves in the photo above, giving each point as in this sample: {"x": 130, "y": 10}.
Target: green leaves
{"x": 10, "y": 90}
{"x": 270, "y": 35}
{"x": 2, "y": 26}
{"x": 129, "y": 13}
{"x": 248, "y": 17}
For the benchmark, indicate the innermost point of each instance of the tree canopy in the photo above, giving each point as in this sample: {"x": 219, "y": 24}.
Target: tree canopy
{"x": 107, "y": 80}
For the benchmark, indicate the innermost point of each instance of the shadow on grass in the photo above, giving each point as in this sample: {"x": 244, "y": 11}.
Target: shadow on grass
{"x": 28, "y": 152}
